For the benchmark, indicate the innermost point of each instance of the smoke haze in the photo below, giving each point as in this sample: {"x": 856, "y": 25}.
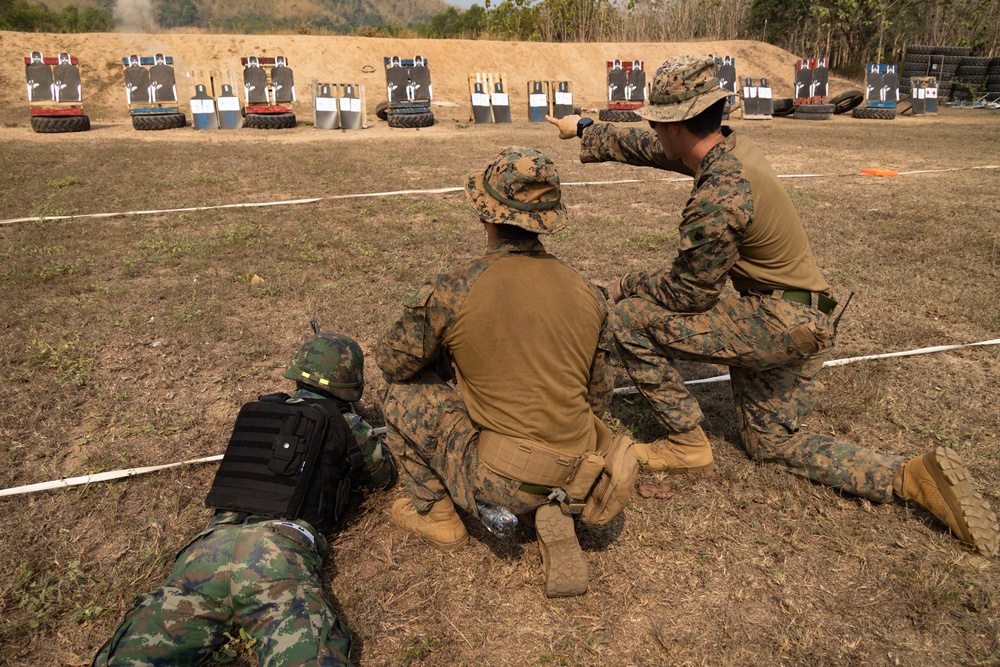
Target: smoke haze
{"x": 135, "y": 16}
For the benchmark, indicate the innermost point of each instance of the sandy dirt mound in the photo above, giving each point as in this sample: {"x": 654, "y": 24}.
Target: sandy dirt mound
{"x": 345, "y": 59}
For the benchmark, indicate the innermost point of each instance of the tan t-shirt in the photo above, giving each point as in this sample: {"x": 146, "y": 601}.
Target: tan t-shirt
{"x": 523, "y": 343}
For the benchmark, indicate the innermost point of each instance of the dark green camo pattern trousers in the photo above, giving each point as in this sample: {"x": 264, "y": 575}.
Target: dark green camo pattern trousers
{"x": 773, "y": 349}
{"x": 236, "y": 575}
{"x": 436, "y": 447}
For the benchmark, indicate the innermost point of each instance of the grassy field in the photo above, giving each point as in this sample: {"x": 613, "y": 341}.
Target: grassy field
{"x": 130, "y": 341}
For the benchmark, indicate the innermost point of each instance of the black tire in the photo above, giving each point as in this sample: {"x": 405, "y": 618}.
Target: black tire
{"x": 816, "y": 108}
{"x": 921, "y": 49}
{"x": 808, "y": 115}
{"x": 618, "y": 116}
{"x": 60, "y": 124}
{"x": 382, "y": 110}
{"x": 874, "y": 113}
{"x": 411, "y": 120}
{"x": 846, "y": 101}
{"x": 951, "y": 50}
{"x": 269, "y": 121}
{"x": 976, "y": 61}
{"x": 159, "y": 121}
{"x": 993, "y": 79}
{"x": 783, "y": 106}
{"x": 911, "y": 72}
{"x": 976, "y": 71}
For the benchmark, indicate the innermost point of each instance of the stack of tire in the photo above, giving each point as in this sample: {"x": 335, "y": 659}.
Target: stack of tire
{"x": 938, "y": 61}
{"x": 971, "y": 78}
{"x": 993, "y": 81}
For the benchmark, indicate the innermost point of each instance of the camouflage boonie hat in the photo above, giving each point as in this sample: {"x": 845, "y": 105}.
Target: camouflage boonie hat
{"x": 683, "y": 87}
{"x": 519, "y": 188}
{"x": 333, "y": 363}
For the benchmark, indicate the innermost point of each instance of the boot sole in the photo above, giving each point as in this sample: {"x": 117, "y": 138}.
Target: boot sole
{"x": 970, "y": 508}
{"x": 563, "y": 564}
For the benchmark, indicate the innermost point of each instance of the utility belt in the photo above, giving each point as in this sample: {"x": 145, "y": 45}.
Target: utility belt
{"x": 299, "y": 532}
{"x": 820, "y": 302}
{"x": 596, "y": 485}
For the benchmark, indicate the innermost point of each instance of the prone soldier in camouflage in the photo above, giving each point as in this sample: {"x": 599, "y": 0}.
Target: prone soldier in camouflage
{"x": 253, "y": 572}
{"x": 740, "y": 224}
{"x": 528, "y": 341}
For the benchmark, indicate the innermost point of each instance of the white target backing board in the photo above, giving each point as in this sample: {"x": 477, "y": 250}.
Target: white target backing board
{"x": 204, "y": 114}
{"x": 325, "y": 116}
{"x": 538, "y": 101}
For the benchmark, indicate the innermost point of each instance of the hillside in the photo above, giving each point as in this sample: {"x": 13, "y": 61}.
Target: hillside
{"x": 340, "y": 59}
{"x": 338, "y": 16}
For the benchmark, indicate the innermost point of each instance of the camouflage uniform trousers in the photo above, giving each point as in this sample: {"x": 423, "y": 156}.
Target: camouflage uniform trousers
{"x": 773, "y": 349}
{"x": 236, "y": 574}
{"x": 436, "y": 446}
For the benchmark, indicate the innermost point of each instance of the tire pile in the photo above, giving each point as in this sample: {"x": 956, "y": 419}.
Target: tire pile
{"x": 959, "y": 75}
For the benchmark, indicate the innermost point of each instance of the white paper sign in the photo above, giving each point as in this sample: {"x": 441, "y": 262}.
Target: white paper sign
{"x": 749, "y": 92}
{"x": 764, "y": 93}
{"x": 500, "y": 100}
{"x": 480, "y": 100}
{"x": 326, "y": 104}
{"x": 563, "y": 98}
{"x": 229, "y": 104}
{"x": 537, "y": 100}
{"x": 202, "y": 106}
{"x": 930, "y": 93}
{"x": 350, "y": 104}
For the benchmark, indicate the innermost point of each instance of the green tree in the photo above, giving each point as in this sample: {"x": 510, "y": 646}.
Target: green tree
{"x": 176, "y": 13}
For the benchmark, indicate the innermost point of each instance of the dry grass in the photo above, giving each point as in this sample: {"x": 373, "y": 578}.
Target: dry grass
{"x": 132, "y": 341}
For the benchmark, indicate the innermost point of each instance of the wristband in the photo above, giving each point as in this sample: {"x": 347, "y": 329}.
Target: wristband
{"x": 582, "y": 125}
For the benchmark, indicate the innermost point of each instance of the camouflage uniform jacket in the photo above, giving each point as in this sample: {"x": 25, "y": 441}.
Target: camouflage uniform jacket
{"x": 418, "y": 338}
{"x": 716, "y": 240}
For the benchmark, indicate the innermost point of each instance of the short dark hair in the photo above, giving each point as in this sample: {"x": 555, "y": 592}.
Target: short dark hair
{"x": 515, "y": 233}
{"x": 708, "y": 121}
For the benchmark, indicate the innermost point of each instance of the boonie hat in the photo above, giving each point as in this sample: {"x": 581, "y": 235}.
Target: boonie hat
{"x": 520, "y": 188}
{"x": 683, "y": 87}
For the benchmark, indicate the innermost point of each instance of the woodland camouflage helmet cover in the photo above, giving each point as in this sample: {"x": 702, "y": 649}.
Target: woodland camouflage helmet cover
{"x": 332, "y": 362}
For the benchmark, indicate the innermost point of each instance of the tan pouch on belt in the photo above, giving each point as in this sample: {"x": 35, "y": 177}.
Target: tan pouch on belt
{"x": 616, "y": 483}
{"x": 590, "y": 468}
{"x": 525, "y": 460}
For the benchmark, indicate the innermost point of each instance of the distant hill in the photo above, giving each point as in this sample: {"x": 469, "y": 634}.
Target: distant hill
{"x": 264, "y": 16}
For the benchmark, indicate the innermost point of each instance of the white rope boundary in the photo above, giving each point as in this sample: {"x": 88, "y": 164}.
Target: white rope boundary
{"x": 407, "y": 193}
{"x": 132, "y": 472}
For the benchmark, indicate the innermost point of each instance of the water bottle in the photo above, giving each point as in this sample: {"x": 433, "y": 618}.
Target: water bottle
{"x": 498, "y": 520}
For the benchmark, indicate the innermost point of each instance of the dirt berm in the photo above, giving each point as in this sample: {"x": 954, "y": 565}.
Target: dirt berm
{"x": 335, "y": 59}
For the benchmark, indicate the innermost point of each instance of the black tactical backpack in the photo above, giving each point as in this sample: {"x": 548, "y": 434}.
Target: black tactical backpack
{"x": 288, "y": 460}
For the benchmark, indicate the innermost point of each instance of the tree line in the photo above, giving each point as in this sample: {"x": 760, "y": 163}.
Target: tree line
{"x": 849, "y": 33}
{"x": 24, "y": 16}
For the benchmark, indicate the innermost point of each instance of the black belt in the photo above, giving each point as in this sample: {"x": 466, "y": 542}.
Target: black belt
{"x": 823, "y": 302}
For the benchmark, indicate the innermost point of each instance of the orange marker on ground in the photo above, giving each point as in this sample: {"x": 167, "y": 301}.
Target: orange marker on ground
{"x": 873, "y": 171}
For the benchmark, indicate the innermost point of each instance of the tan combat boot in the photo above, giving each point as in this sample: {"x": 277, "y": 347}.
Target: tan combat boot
{"x": 940, "y": 482}
{"x": 440, "y": 527}
{"x": 563, "y": 565}
{"x": 679, "y": 453}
